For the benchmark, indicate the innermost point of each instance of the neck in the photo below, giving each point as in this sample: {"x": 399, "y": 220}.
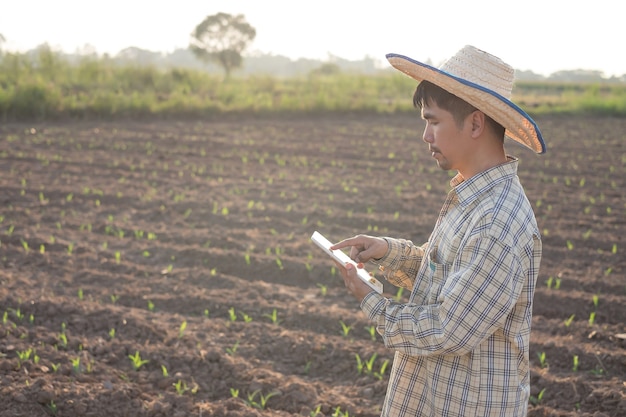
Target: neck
{"x": 482, "y": 160}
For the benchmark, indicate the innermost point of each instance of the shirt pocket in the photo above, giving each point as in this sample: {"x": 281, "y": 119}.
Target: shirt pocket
{"x": 438, "y": 275}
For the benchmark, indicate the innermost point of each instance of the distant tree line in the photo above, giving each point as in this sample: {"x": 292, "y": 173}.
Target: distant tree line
{"x": 281, "y": 66}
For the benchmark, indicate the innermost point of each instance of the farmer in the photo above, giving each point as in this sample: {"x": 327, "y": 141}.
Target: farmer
{"x": 461, "y": 342}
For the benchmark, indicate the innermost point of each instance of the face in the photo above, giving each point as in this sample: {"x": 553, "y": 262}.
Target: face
{"x": 444, "y": 136}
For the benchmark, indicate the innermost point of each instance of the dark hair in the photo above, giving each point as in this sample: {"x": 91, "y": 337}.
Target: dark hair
{"x": 427, "y": 92}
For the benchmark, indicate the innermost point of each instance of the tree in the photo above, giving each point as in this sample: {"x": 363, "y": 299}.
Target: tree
{"x": 222, "y": 38}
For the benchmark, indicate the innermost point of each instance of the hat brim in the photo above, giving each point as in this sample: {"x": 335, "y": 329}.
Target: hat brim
{"x": 518, "y": 125}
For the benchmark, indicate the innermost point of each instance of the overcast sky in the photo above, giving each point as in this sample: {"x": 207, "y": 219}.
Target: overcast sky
{"x": 539, "y": 35}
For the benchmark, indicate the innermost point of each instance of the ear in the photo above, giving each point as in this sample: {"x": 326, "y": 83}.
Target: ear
{"x": 477, "y": 119}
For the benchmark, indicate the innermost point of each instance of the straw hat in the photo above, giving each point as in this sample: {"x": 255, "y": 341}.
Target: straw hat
{"x": 485, "y": 82}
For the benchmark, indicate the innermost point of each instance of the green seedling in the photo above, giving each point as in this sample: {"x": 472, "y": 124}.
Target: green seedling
{"x": 371, "y": 330}
{"x": 63, "y": 339}
{"x": 181, "y": 329}
{"x": 339, "y": 413}
{"x": 575, "y": 367}
{"x": 80, "y": 294}
{"x": 76, "y": 365}
{"x": 569, "y": 320}
{"x": 181, "y": 387}
{"x": 206, "y": 313}
{"x": 273, "y": 317}
{"x": 246, "y": 318}
{"x": 52, "y": 408}
{"x": 316, "y": 412}
{"x": 114, "y": 298}
{"x": 232, "y": 350}
{"x": 55, "y": 367}
{"x": 345, "y": 329}
{"x": 537, "y": 400}
{"x": 596, "y": 300}
{"x": 42, "y": 249}
{"x": 398, "y": 295}
{"x": 307, "y": 367}
{"x": 323, "y": 289}
{"x": 234, "y": 393}
{"x": 164, "y": 371}
{"x": 150, "y": 305}
{"x": 24, "y": 356}
{"x": 542, "y": 359}
{"x": 592, "y": 318}
{"x": 279, "y": 263}
{"x": 232, "y": 314}
{"x": 262, "y": 403}
{"x": 136, "y": 360}
{"x": 112, "y": 333}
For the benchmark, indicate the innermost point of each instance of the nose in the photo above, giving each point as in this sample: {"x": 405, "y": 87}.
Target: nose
{"x": 427, "y": 136}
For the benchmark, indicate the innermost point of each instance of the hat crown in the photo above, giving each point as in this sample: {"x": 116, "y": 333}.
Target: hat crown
{"x": 481, "y": 68}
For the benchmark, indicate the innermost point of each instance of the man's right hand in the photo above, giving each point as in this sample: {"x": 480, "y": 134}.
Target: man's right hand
{"x": 364, "y": 248}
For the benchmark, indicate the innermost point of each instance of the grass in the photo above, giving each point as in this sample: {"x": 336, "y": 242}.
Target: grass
{"x": 55, "y": 90}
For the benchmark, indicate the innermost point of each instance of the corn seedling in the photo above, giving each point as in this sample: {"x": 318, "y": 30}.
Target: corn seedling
{"x": 569, "y": 320}
{"x": 55, "y": 367}
{"x": 76, "y": 365}
{"x": 150, "y": 305}
{"x": 136, "y": 361}
{"x": 542, "y": 359}
{"x": 234, "y": 393}
{"x": 181, "y": 387}
{"x": 246, "y": 318}
{"x": 206, "y": 313}
{"x": 398, "y": 295}
{"x": 323, "y": 289}
{"x": 575, "y": 367}
{"x": 592, "y": 318}
{"x": 232, "y": 314}
{"x": 262, "y": 403}
{"x": 118, "y": 257}
{"x": 273, "y": 317}
{"x": 23, "y": 356}
{"x": 80, "y": 294}
{"x": 345, "y": 329}
{"x": 112, "y": 333}
{"x": 537, "y": 400}
{"x": 232, "y": 350}
{"x": 596, "y": 300}
{"x": 164, "y": 371}
{"x": 339, "y": 413}
{"x": 371, "y": 330}
{"x": 181, "y": 329}
{"x": 316, "y": 412}
{"x": 52, "y": 408}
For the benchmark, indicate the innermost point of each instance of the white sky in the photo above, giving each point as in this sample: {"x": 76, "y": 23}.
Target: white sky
{"x": 539, "y": 35}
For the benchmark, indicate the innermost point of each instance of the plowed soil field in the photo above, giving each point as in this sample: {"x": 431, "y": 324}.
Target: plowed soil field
{"x": 164, "y": 268}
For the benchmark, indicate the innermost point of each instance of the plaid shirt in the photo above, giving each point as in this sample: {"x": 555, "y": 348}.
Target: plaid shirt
{"x": 461, "y": 343}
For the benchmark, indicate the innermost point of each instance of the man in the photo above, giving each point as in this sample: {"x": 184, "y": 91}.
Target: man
{"x": 461, "y": 342}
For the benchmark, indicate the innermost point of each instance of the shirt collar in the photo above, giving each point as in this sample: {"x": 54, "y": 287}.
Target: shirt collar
{"x": 470, "y": 189}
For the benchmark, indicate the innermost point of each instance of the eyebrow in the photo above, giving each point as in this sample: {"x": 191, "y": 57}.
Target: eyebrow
{"x": 426, "y": 115}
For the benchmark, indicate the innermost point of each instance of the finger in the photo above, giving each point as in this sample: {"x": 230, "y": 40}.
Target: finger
{"x": 352, "y": 241}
